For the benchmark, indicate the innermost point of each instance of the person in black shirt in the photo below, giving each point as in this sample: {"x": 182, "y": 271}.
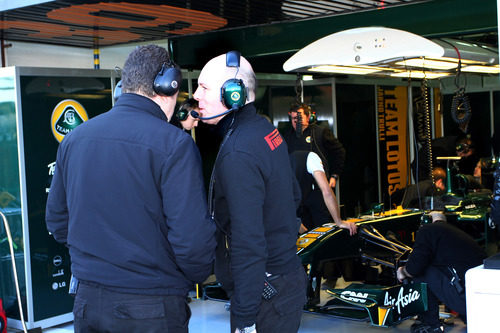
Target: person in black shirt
{"x": 319, "y": 203}
{"x": 311, "y": 137}
{"x": 441, "y": 253}
{"x": 495, "y": 203}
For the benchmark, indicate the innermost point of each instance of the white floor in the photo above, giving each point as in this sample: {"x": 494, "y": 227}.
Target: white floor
{"x": 211, "y": 317}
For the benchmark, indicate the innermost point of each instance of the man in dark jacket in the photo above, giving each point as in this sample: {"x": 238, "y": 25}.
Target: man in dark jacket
{"x": 253, "y": 203}
{"x": 128, "y": 200}
{"x": 441, "y": 255}
{"x": 495, "y": 203}
{"x": 311, "y": 137}
{"x": 413, "y": 195}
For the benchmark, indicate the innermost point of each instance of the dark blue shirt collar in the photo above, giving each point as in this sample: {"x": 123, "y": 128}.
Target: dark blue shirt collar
{"x": 144, "y": 103}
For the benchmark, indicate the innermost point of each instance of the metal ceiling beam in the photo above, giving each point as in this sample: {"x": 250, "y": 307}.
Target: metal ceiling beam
{"x": 267, "y": 45}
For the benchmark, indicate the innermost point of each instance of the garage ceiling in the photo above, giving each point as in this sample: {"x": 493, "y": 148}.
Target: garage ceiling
{"x": 87, "y": 23}
{"x": 267, "y": 32}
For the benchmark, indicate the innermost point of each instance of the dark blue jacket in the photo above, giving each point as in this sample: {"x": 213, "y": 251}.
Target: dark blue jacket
{"x": 255, "y": 205}
{"x": 128, "y": 199}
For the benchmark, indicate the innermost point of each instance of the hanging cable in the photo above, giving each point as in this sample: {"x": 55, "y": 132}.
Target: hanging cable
{"x": 460, "y": 104}
{"x": 424, "y": 88}
{"x": 299, "y": 100}
{"x": 14, "y": 270}
{"x": 299, "y": 89}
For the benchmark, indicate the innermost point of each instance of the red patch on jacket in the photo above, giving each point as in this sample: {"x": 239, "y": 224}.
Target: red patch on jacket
{"x": 274, "y": 139}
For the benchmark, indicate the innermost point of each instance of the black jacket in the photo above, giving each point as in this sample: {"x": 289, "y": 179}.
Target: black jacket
{"x": 321, "y": 141}
{"x": 495, "y": 204}
{"x": 254, "y": 208}
{"x": 128, "y": 199}
{"x": 440, "y": 244}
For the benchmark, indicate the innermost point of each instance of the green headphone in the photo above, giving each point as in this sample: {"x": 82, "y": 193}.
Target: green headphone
{"x": 233, "y": 92}
{"x": 183, "y": 112}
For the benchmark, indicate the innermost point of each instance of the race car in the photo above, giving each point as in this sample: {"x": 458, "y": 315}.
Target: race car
{"x": 370, "y": 258}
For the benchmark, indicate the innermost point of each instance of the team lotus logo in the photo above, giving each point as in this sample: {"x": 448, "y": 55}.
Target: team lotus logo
{"x": 308, "y": 139}
{"x": 67, "y": 115}
{"x": 235, "y": 96}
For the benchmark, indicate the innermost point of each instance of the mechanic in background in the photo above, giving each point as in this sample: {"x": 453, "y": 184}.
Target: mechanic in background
{"x": 441, "y": 255}
{"x": 311, "y": 137}
{"x": 316, "y": 193}
{"x": 412, "y": 196}
{"x": 495, "y": 204}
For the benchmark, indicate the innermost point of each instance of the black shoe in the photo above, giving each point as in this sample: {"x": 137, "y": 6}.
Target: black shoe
{"x": 424, "y": 328}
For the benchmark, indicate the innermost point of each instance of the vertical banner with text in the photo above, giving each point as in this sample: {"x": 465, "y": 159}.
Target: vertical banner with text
{"x": 393, "y": 137}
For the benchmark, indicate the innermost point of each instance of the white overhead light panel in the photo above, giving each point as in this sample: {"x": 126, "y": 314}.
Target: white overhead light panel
{"x": 344, "y": 69}
{"x": 427, "y": 63}
{"x": 482, "y": 69}
{"x": 420, "y": 75}
{"x": 382, "y": 51}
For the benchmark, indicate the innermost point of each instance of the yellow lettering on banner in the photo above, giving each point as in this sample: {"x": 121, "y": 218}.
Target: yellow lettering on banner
{"x": 391, "y": 114}
{"x": 381, "y": 127}
{"x": 393, "y": 156}
{"x": 392, "y": 128}
{"x": 381, "y": 114}
{"x": 392, "y": 123}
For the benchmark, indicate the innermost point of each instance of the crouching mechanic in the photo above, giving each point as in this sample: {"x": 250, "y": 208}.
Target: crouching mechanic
{"x": 128, "y": 200}
{"x": 253, "y": 203}
{"x": 441, "y": 255}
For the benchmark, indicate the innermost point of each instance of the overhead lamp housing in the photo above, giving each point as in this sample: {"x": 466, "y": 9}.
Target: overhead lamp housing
{"x": 389, "y": 50}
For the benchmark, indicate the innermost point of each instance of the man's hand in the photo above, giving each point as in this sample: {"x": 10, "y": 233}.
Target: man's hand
{"x": 333, "y": 182}
{"x": 302, "y": 229}
{"x": 351, "y": 226}
{"x": 250, "y": 329}
{"x": 402, "y": 274}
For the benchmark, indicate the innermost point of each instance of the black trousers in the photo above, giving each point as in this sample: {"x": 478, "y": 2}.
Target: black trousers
{"x": 282, "y": 312}
{"x": 99, "y": 310}
{"x": 440, "y": 289}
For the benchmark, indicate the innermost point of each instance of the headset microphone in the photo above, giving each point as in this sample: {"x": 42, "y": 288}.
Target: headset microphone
{"x": 195, "y": 114}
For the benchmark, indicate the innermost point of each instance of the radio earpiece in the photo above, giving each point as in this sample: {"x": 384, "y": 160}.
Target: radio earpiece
{"x": 168, "y": 79}
{"x": 233, "y": 93}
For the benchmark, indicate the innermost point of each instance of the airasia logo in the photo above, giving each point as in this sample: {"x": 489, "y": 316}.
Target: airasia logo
{"x": 117, "y": 21}
{"x": 402, "y": 300}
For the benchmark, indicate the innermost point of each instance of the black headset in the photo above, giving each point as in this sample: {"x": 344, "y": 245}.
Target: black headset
{"x": 118, "y": 90}
{"x": 183, "y": 112}
{"x": 168, "y": 80}
{"x": 233, "y": 93}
